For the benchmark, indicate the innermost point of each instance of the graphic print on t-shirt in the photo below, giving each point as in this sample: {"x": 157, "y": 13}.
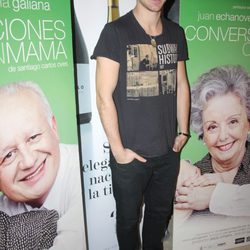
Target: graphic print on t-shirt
{"x": 149, "y": 72}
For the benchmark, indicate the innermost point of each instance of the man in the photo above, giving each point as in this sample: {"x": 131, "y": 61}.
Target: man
{"x": 36, "y": 172}
{"x": 139, "y": 118}
{"x": 144, "y": 64}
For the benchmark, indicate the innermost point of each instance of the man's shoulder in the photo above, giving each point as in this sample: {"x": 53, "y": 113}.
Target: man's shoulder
{"x": 171, "y": 24}
{"x": 121, "y": 22}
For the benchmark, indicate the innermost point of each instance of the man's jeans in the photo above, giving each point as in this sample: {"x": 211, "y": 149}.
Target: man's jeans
{"x": 153, "y": 183}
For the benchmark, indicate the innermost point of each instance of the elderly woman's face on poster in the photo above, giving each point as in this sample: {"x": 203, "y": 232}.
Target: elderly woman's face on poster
{"x": 225, "y": 127}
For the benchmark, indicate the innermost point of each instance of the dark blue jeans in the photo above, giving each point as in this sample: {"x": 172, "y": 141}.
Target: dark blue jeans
{"x": 153, "y": 183}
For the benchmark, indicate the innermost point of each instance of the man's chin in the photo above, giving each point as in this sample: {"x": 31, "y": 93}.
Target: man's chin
{"x": 37, "y": 202}
{"x": 34, "y": 199}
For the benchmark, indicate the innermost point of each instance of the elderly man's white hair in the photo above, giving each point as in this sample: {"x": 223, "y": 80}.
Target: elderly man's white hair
{"x": 15, "y": 87}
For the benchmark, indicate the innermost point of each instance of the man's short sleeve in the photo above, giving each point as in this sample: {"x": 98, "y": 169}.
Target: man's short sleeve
{"x": 108, "y": 44}
{"x": 182, "y": 46}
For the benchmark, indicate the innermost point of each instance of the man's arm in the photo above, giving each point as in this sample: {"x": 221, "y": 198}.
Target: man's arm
{"x": 183, "y": 106}
{"x": 106, "y": 80}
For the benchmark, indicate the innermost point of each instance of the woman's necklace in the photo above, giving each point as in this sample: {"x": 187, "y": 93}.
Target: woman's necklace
{"x": 153, "y": 41}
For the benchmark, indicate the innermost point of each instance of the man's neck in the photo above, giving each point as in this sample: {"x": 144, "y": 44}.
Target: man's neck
{"x": 150, "y": 21}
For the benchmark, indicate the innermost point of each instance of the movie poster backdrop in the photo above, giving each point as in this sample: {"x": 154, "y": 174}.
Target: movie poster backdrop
{"x": 36, "y": 45}
{"x": 218, "y": 34}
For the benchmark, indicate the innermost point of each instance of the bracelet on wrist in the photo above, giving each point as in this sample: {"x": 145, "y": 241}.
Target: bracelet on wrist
{"x": 185, "y": 134}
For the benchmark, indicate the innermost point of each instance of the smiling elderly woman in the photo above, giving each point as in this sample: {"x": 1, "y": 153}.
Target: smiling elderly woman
{"x": 220, "y": 115}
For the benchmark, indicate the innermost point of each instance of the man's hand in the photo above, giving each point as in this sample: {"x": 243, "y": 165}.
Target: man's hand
{"x": 126, "y": 156}
{"x": 179, "y": 142}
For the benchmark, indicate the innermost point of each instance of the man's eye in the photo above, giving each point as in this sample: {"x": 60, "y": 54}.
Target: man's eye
{"x": 35, "y": 137}
{"x": 9, "y": 157}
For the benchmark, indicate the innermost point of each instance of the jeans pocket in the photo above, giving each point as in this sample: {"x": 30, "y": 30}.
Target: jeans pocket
{"x": 126, "y": 165}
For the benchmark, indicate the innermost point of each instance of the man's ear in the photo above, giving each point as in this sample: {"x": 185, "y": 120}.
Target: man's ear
{"x": 54, "y": 126}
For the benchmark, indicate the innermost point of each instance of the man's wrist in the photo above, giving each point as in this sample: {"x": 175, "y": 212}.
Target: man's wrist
{"x": 116, "y": 151}
{"x": 185, "y": 134}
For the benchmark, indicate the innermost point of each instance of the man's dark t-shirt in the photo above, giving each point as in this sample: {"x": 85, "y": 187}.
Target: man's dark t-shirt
{"x": 145, "y": 95}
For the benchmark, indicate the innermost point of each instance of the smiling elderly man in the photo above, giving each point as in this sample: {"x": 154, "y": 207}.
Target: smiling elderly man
{"x": 36, "y": 171}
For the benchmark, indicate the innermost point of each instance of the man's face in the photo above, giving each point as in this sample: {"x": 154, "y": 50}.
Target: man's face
{"x": 152, "y": 5}
{"x": 29, "y": 149}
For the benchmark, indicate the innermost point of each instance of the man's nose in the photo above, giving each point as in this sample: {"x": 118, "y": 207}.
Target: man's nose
{"x": 27, "y": 157}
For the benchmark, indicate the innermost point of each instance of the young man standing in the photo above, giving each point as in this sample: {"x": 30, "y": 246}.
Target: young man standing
{"x": 139, "y": 110}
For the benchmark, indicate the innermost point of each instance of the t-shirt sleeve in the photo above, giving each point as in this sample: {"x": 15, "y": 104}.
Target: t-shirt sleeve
{"x": 108, "y": 44}
{"x": 182, "y": 46}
